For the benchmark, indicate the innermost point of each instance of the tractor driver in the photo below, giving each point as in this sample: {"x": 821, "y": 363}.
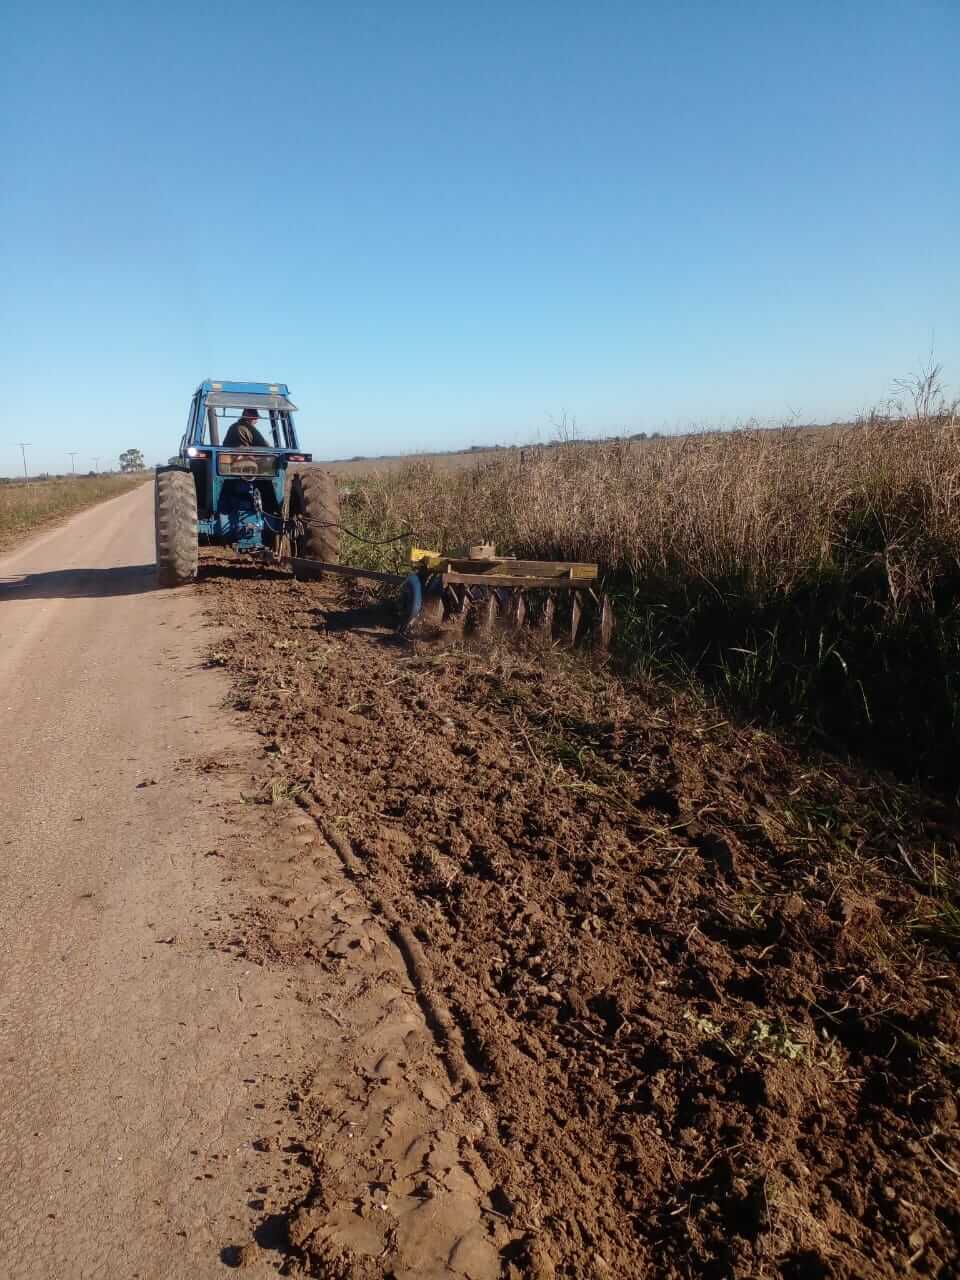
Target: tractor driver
{"x": 244, "y": 433}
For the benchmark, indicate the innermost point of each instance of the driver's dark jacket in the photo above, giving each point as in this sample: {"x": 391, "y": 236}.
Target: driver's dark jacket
{"x": 243, "y": 434}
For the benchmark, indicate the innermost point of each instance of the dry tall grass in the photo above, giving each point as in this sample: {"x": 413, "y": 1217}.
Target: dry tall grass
{"x": 761, "y": 508}
{"x": 28, "y": 506}
{"x": 809, "y": 571}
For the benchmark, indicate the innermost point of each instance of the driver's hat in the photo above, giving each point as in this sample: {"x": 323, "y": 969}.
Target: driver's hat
{"x": 251, "y": 413}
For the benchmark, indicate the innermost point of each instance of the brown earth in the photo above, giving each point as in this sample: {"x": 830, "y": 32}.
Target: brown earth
{"x": 696, "y": 993}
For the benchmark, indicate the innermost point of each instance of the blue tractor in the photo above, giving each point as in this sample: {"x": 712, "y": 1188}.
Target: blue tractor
{"x": 241, "y": 480}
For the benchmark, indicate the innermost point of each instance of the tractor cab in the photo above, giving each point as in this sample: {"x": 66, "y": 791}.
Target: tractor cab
{"x": 240, "y": 487}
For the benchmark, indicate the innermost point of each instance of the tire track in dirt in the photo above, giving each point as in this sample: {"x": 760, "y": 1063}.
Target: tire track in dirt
{"x": 443, "y": 1026}
{"x": 398, "y": 1185}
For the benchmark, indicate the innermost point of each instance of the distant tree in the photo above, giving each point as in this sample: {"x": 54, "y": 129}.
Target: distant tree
{"x": 132, "y": 460}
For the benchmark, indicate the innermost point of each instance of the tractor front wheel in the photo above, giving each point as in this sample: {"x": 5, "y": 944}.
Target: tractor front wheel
{"x": 175, "y": 509}
{"x": 315, "y": 510}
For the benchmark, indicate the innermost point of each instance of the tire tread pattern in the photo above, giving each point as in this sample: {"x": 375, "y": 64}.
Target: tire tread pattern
{"x": 315, "y": 497}
{"x": 176, "y": 527}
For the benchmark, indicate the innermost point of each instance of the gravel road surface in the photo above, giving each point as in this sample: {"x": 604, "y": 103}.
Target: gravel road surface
{"x": 132, "y": 1053}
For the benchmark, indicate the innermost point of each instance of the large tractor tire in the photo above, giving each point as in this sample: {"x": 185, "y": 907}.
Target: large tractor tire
{"x": 315, "y": 505}
{"x": 175, "y": 509}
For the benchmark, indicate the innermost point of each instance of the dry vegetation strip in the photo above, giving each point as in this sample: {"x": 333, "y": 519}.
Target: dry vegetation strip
{"x": 811, "y": 574}
{"x": 464, "y": 459}
{"x": 25, "y": 507}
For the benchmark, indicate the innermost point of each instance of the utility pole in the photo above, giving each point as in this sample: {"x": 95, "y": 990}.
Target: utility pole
{"x": 96, "y": 465}
{"x": 73, "y": 462}
{"x": 23, "y": 449}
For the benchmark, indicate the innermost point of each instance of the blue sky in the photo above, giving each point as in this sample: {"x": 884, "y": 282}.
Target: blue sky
{"x": 447, "y": 223}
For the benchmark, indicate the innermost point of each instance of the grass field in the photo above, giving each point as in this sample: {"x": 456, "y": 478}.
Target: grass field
{"x": 809, "y": 576}
{"x": 463, "y": 459}
{"x": 25, "y": 507}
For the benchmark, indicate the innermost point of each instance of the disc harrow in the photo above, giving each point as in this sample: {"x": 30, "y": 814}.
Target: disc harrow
{"x": 483, "y": 593}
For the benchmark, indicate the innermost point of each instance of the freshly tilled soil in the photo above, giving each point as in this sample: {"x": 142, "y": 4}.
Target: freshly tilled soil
{"x": 705, "y": 985}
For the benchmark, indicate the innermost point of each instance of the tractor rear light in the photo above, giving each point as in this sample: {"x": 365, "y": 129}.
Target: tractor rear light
{"x": 296, "y": 457}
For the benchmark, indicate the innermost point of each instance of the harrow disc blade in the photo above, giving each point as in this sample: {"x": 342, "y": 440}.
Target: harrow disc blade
{"x": 519, "y": 609}
{"x": 489, "y": 609}
{"x": 433, "y": 611}
{"x": 456, "y": 603}
{"x": 576, "y": 614}
{"x": 605, "y": 634}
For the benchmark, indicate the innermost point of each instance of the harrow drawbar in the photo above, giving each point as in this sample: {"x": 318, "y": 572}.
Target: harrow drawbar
{"x": 482, "y": 591}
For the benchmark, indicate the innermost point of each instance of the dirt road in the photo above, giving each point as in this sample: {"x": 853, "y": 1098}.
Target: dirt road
{"x": 147, "y": 1126}
{"x": 126, "y": 1057}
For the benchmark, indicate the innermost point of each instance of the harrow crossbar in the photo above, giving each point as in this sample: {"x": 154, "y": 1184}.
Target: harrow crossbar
{"x": 514, "y": 580}
{"x": 524, "y": 570}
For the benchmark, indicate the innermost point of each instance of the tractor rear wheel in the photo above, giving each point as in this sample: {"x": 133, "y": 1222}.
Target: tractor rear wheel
{"x": 315, "y": 506}
{"x": 175, "y": 510}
